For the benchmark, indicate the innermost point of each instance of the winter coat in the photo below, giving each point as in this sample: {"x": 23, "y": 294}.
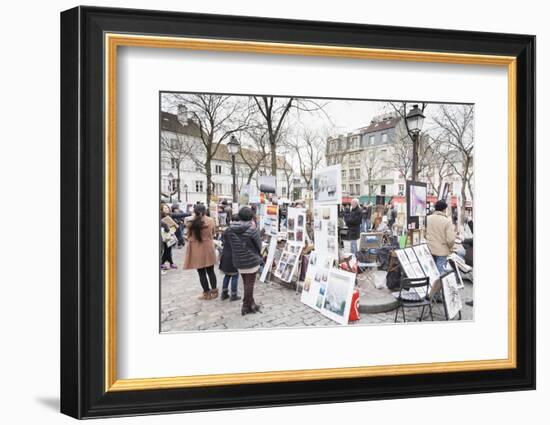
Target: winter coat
{"x": 245, "y": 244}
{"x": 200, "y": 254}
{"x": 440, "y": 234}
{"x": 226, "y": 259}
{"x": 353, "y": 222}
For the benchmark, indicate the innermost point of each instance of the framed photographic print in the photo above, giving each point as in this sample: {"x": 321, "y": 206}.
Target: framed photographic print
{"x": 170, "y": 119}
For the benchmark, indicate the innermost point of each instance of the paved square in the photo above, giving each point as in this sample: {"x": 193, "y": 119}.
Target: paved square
{"x": 181, "y": 310}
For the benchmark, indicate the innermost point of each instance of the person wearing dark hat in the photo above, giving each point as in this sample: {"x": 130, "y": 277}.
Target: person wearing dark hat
{"x": 440, "y": 235}
{"x": 246, "y": 247}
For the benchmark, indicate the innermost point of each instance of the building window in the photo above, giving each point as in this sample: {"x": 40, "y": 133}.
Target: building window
{"x": 218, "y": 169}
{"x": 357, "y": 189}
{"x": 173, "y": 143}
{"x": 382, "y": 189}
{"x": 401, "y": 189}
{"x": 384, "y": 137}
{"x": 352, "y": 174}
{"x": 357, "y": 173}
{"x": 343, "y": 174}
{"x": 371, "y": 140}
{"x": 199, "y": 186}
{"x": 174, "y": 163}
{"x": 218, "y": 188}
{"x": 283, "y": 189}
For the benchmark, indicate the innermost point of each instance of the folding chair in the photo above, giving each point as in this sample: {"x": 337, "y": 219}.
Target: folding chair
{"x": 409, "y": 298}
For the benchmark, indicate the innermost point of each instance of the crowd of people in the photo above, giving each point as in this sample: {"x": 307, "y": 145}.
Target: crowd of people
{"x": 240, "y": 254}
{"x": 241, "y": 244}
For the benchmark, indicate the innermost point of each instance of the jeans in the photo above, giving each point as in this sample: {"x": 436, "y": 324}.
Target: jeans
{"x": 353, "y": 244}
{"x": 365, "y": 225}
{"x": 204, "y": 281}
{"x": 234, "y": 282}
{"x": 440, "y": 262}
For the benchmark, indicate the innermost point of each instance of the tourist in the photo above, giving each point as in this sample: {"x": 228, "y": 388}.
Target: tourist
{"x": 440, "y": 235}
{"x": 231, "y": 274}
{"x": 201, "y": 254}
{"x": 353, "y": 223}
{"x": 392, "y": 216}
{"x": 168, "y": 237}
{"x": 246, "y": 248}
{"x": 365, "y": 217}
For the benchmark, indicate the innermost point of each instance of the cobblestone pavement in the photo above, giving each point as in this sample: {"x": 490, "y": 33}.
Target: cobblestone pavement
{"x": 181, "y": 310}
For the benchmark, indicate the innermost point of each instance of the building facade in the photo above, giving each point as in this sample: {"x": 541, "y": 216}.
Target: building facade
{"x": 182, "y": 164}
{"x": 376, "y": 159}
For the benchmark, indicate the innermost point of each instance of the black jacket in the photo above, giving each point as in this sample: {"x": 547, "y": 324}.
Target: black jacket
{"x": 245, "y": 243}
{"x": 226, "y": 259}
{"x": 354, "y": 223}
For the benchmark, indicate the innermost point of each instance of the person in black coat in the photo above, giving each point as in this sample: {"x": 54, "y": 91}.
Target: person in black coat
{"x": 353, "y": 222}
{"x": 246, "y": 247}
{"x": 231, "y": 274}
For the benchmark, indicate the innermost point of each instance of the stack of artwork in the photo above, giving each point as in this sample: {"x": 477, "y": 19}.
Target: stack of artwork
{"x": 418, "y": 262}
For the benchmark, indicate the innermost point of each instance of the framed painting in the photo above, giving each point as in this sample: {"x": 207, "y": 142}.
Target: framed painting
{"x": 169, "y": 118}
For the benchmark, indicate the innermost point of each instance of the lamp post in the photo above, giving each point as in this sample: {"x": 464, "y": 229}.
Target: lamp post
{"x": 186, "y": 188}
{"x": 233, "y": 147}
{"x": 415, "y": 120}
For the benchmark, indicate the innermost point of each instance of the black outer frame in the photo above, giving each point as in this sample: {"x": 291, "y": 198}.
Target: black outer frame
{"x": 82, "y": 204}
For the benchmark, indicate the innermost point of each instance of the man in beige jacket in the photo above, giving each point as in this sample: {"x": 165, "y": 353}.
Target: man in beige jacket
{"x": 440, "y": 235}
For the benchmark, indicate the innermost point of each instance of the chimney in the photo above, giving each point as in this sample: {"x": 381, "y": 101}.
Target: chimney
{"x": 183, "y": 115}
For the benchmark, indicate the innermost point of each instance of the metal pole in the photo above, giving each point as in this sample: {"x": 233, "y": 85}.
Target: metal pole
{"x": 415, "y": 156}
{"x": 234, "y": 188}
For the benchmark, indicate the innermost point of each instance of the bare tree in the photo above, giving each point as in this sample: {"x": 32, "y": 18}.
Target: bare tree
{"x": 256, "y": 156}
{"x": 217, "y": 117}
{"x": 456, "y": 125}
{"x": 275, "y": 112}
{"x": 310, "y": 148}
{"x": 371, "y": 170}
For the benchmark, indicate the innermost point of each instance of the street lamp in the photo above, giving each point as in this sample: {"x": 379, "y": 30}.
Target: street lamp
{"x": 233, "y": 147}
{"x": 186, "y": 188}
{"x": 415, "y": 120}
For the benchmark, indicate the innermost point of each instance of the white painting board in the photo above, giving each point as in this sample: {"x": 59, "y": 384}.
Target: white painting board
{"x": 288, "y": 262}
{"x": 296, "y": 225}
{"x": 453, "y": 301}
{"x": 270, "y": 256}
{"x": 313, "y": 291}
{"x": 325, "y": 229}
{"x": 427, "y": 262}
{"x": 327, "y": 185}
{"x": 337, "y": 296}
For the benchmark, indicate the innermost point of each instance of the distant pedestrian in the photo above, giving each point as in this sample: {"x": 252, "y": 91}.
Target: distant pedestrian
{"x": 353, "y": 223}
{"x": 440, "y": 235}
{"x": 246, "y": 248}
{"x": 201, "y": 254}
{"x": 392, "y": 216}
{"x": 366, "y": 213}
{"x": 168, "y": 231}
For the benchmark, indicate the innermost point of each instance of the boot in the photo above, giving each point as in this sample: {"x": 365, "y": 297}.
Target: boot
{"x": 225, "y": 295}
{"x": 234, "y": 297}
{"x": 214, "y": 293}
{"x": 205, "y": 296}
{"x": 245, "y": 310}
{"x": 255, "y": 308}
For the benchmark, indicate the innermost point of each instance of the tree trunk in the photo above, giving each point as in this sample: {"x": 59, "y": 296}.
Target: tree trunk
{"x": 179, "y": 182}
{"x": 208, "y": 179}
{"x": 273, "y": 147}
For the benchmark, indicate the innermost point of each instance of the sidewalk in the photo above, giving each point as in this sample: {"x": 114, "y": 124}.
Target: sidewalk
{"x": 181, "y": 310}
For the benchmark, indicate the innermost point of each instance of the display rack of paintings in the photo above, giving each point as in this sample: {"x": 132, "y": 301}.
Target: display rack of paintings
{"x": 296, "y": 225}
{"x": 325, "y": 229}
{"x": 288, "y": 262}
{"x": 269, "y": 221}
{"x": 327, "y": 185}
